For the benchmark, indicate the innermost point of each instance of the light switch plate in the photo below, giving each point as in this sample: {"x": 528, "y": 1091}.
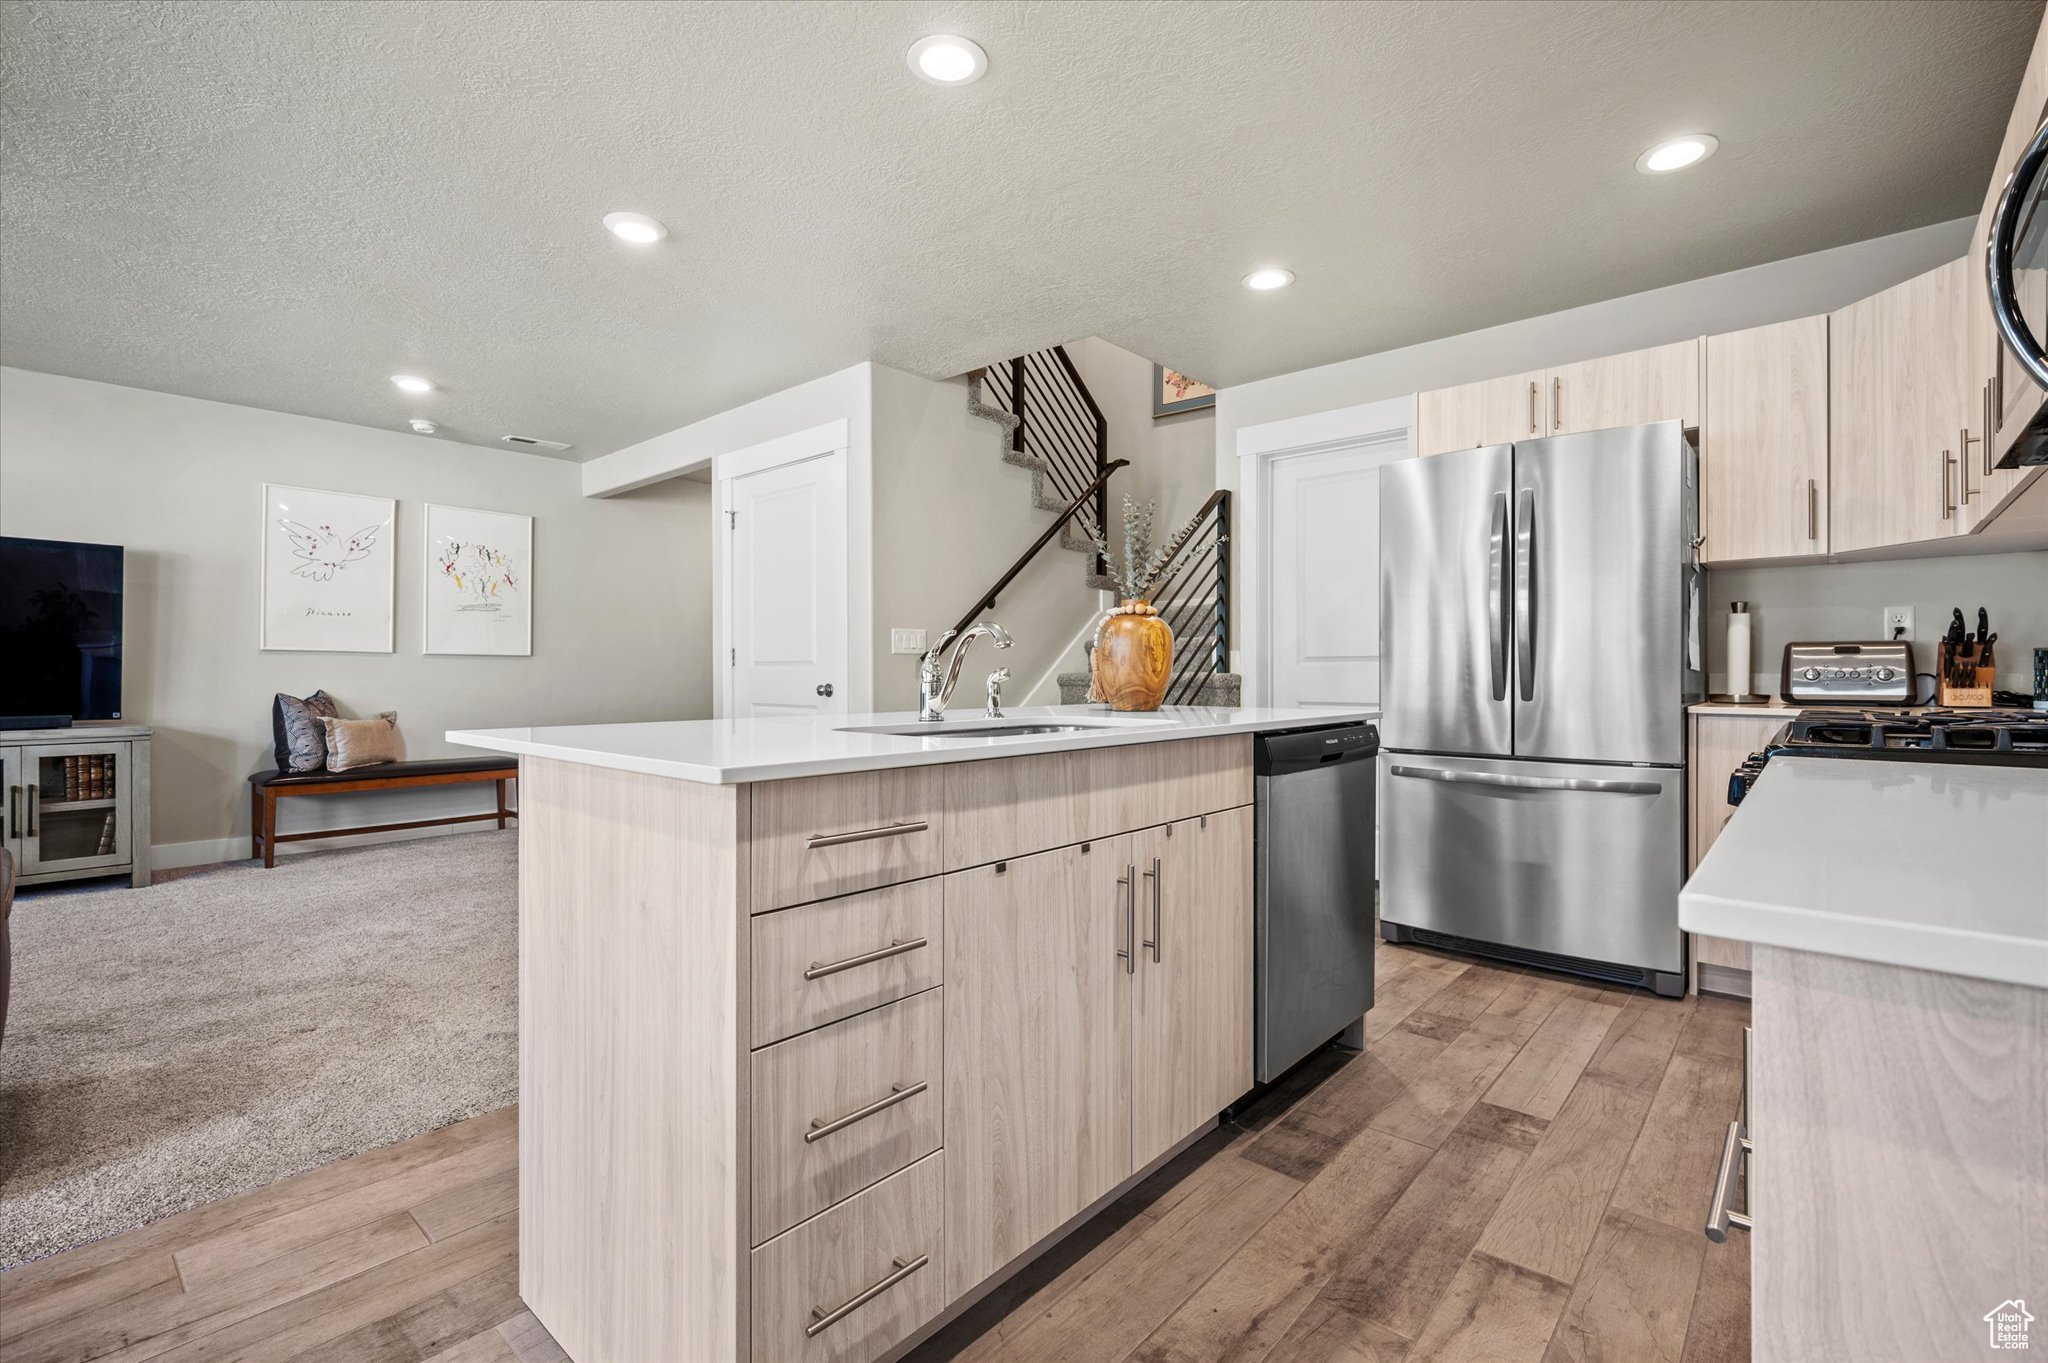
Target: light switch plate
{"x": 906, "y": 641}
{"x": 1899, "y": 619}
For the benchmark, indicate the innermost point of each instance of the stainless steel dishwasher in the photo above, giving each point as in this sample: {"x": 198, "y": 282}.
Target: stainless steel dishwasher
{"x": 1314, "y": 888}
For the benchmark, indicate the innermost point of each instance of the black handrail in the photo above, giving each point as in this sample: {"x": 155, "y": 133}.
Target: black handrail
{"x": 1045, "y": 537}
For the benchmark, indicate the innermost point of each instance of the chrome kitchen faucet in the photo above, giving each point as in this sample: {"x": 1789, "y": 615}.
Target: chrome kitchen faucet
{"x": 932, "y": 691}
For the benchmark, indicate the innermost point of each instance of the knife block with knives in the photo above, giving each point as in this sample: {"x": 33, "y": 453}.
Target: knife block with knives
{"x": 1965, "y": 668}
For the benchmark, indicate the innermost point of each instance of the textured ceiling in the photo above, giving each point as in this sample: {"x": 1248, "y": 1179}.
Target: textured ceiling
{"x": 283, "y": 204}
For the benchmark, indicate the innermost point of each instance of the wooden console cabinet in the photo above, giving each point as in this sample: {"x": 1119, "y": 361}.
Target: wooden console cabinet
{"x": 74, "y": 803}
{"x": 805, "y": 1062}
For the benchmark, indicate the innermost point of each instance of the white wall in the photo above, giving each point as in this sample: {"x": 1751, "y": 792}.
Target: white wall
{"x": 1777, "y": 292}
{"x": 622, "y": 607}
{"x": 951, "y": 516}
{"x": 1841, "y": 602}
{"x": 1172, "y": 458}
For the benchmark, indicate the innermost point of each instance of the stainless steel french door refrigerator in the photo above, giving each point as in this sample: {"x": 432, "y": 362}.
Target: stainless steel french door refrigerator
{"x": 1540, "y": 640}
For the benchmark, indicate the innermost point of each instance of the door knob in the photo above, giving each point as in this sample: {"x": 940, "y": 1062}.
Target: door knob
{"x": 825, "y": 688}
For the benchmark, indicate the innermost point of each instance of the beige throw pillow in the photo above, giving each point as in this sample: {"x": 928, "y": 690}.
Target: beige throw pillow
{"x": 353, "y": 743}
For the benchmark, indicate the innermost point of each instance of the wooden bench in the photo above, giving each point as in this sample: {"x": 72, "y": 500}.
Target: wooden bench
{"x": 266, "y": 788}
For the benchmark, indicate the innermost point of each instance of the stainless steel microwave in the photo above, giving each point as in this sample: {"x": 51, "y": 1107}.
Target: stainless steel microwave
{"x": 2016, "y": 263}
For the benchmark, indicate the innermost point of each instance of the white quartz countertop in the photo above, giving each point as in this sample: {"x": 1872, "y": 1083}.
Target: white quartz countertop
{"x": 728, "y": 751}
{"x": 1933, "y": 865}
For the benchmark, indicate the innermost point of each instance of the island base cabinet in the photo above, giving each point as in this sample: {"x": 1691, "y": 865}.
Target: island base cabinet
{"x": 1191, "y": 1028}
{"x": 1899, "y": 1181}
{"x": 851, "y": 1283}
{"x": 1037, "y": 1048}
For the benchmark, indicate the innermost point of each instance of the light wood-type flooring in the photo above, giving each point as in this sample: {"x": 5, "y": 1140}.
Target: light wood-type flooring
{"x": 1516, "y": 1168}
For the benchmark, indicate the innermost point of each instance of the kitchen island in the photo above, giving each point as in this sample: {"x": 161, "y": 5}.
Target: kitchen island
{"x": 824, "y": 1030}
{"x": 1897, "y": 1099}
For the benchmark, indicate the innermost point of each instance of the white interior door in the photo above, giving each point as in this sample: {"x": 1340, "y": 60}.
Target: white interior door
{"x": 787, "y": 589}
{"x": 1322, "y": 537}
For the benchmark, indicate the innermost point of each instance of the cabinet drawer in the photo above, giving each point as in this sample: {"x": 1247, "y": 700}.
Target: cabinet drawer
{"x": 1016, "y": 806}
{"x": 822, "y": 962}
{"x": 882, "y": 1254}
{"x": 840, "y": 1107}
{"x": 819, "y": 836}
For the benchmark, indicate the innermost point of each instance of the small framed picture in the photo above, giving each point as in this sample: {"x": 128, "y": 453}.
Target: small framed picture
{"x": 327, "y": 581}
{"x": 478, "y": 582}
{"x": 1173, "y": 391}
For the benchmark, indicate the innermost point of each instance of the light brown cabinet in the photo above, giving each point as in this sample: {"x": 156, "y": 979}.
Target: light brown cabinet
{"x": 1490, "y": 412}
{"x": 1098, "y": 1012}
{"x": 1764, "y": 442}
{"x": 1191, "y": 1008}
{"x": 1661, "y": 383}
{"x": 1897, "y": 412}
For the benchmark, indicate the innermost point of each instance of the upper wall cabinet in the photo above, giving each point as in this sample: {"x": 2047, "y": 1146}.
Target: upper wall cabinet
{"x": 1898, "y": 413}
{"x": 1490, "y": 412}
{"x": 1764, "y": 443}
{"x": 1658, "y": 384}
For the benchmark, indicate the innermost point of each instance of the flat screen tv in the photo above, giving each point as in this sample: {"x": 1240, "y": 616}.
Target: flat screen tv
{"x": 60, "y": 631}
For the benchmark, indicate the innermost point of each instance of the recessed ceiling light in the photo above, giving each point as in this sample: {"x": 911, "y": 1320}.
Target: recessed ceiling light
{"x": 637, "y": 228}
{"x": 422, "y": 426}
{"x": 1677, "y": 154}
{"x": 1268, "y": 279}
{"x": 944, "y": 59}
{"x": 413, "y": 383}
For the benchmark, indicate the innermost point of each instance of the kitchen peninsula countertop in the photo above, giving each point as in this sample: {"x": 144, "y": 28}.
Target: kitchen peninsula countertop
{"x": 730, "y": 751}
{"x": 1934, "y": 866}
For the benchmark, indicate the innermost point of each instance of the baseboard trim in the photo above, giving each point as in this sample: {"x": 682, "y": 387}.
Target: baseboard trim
{"x": 172, "y": 856}
{"x": 1721, "y": 979}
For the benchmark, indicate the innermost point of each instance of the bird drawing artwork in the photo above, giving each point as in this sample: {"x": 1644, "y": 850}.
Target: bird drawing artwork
{"x": 479, "y": 573}
{"x": 323, "y": 551}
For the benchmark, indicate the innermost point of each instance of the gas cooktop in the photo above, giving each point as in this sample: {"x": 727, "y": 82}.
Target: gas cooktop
{"x": 2019, "y": 737}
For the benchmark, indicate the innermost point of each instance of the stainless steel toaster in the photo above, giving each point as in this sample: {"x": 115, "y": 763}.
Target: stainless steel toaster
{"x": 1865, "y": 674}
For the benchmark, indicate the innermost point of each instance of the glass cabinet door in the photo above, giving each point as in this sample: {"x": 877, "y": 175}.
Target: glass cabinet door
{"x": 75, "y": 807}
{"x": 13, "y": 802}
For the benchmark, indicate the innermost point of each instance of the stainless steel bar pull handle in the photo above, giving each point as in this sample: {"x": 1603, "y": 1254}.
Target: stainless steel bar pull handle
{"x": 1494, "y": 778}
{"x": 821, "y": 1127}
{"x": 1948, "y": 503}
{"x": 1496, "y": 593}
{"x": 892, "y": 830}
{"x": 1153, "y": 876}
{"x": 821, "y": 1319}
{"x": 1532, "y": 407}
{"x": 1557, "y": 404}
{"x": 1812, "y": 509}
{"x": 1963, "y": 464}
{"x": 819, "y": 970}
{"x": 1525, "y": 592}
{"x": 1721, "y": 1213}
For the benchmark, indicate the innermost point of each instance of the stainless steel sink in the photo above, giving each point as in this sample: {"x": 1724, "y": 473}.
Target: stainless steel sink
{"x": 951, "y": 730}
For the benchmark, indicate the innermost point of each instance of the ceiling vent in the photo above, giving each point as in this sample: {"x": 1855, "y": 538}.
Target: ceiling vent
{"x": 527, "y": 442}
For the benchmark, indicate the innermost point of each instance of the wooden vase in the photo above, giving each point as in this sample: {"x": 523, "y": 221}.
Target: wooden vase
{"x": 1133, "y": 658}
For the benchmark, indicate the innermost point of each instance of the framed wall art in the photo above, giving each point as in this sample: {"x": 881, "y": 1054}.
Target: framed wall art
{"x": 479, "y": 582}
{"x": 1174, "y": 392}
{"x": 327, "y": 571}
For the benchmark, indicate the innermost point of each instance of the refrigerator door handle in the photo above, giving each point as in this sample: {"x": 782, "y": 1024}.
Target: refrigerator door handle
{"x": 1525, "y": 591}
{"x": 1496, "y": 603}
{"x": 1494, "y": 778}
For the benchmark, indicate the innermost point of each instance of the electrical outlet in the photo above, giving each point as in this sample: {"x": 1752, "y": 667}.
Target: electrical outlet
{"x": 906, "y": 641}
{"x": 1898, "y": 623}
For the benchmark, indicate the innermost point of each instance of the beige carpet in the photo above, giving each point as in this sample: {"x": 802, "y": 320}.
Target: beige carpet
{"x": 230, "y": 1027}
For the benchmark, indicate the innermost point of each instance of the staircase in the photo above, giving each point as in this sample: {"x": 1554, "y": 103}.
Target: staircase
{"x": 1055, "y": 429}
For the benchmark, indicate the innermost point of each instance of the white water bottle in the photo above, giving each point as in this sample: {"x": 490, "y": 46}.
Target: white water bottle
{"x": 1739, "y": 679}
